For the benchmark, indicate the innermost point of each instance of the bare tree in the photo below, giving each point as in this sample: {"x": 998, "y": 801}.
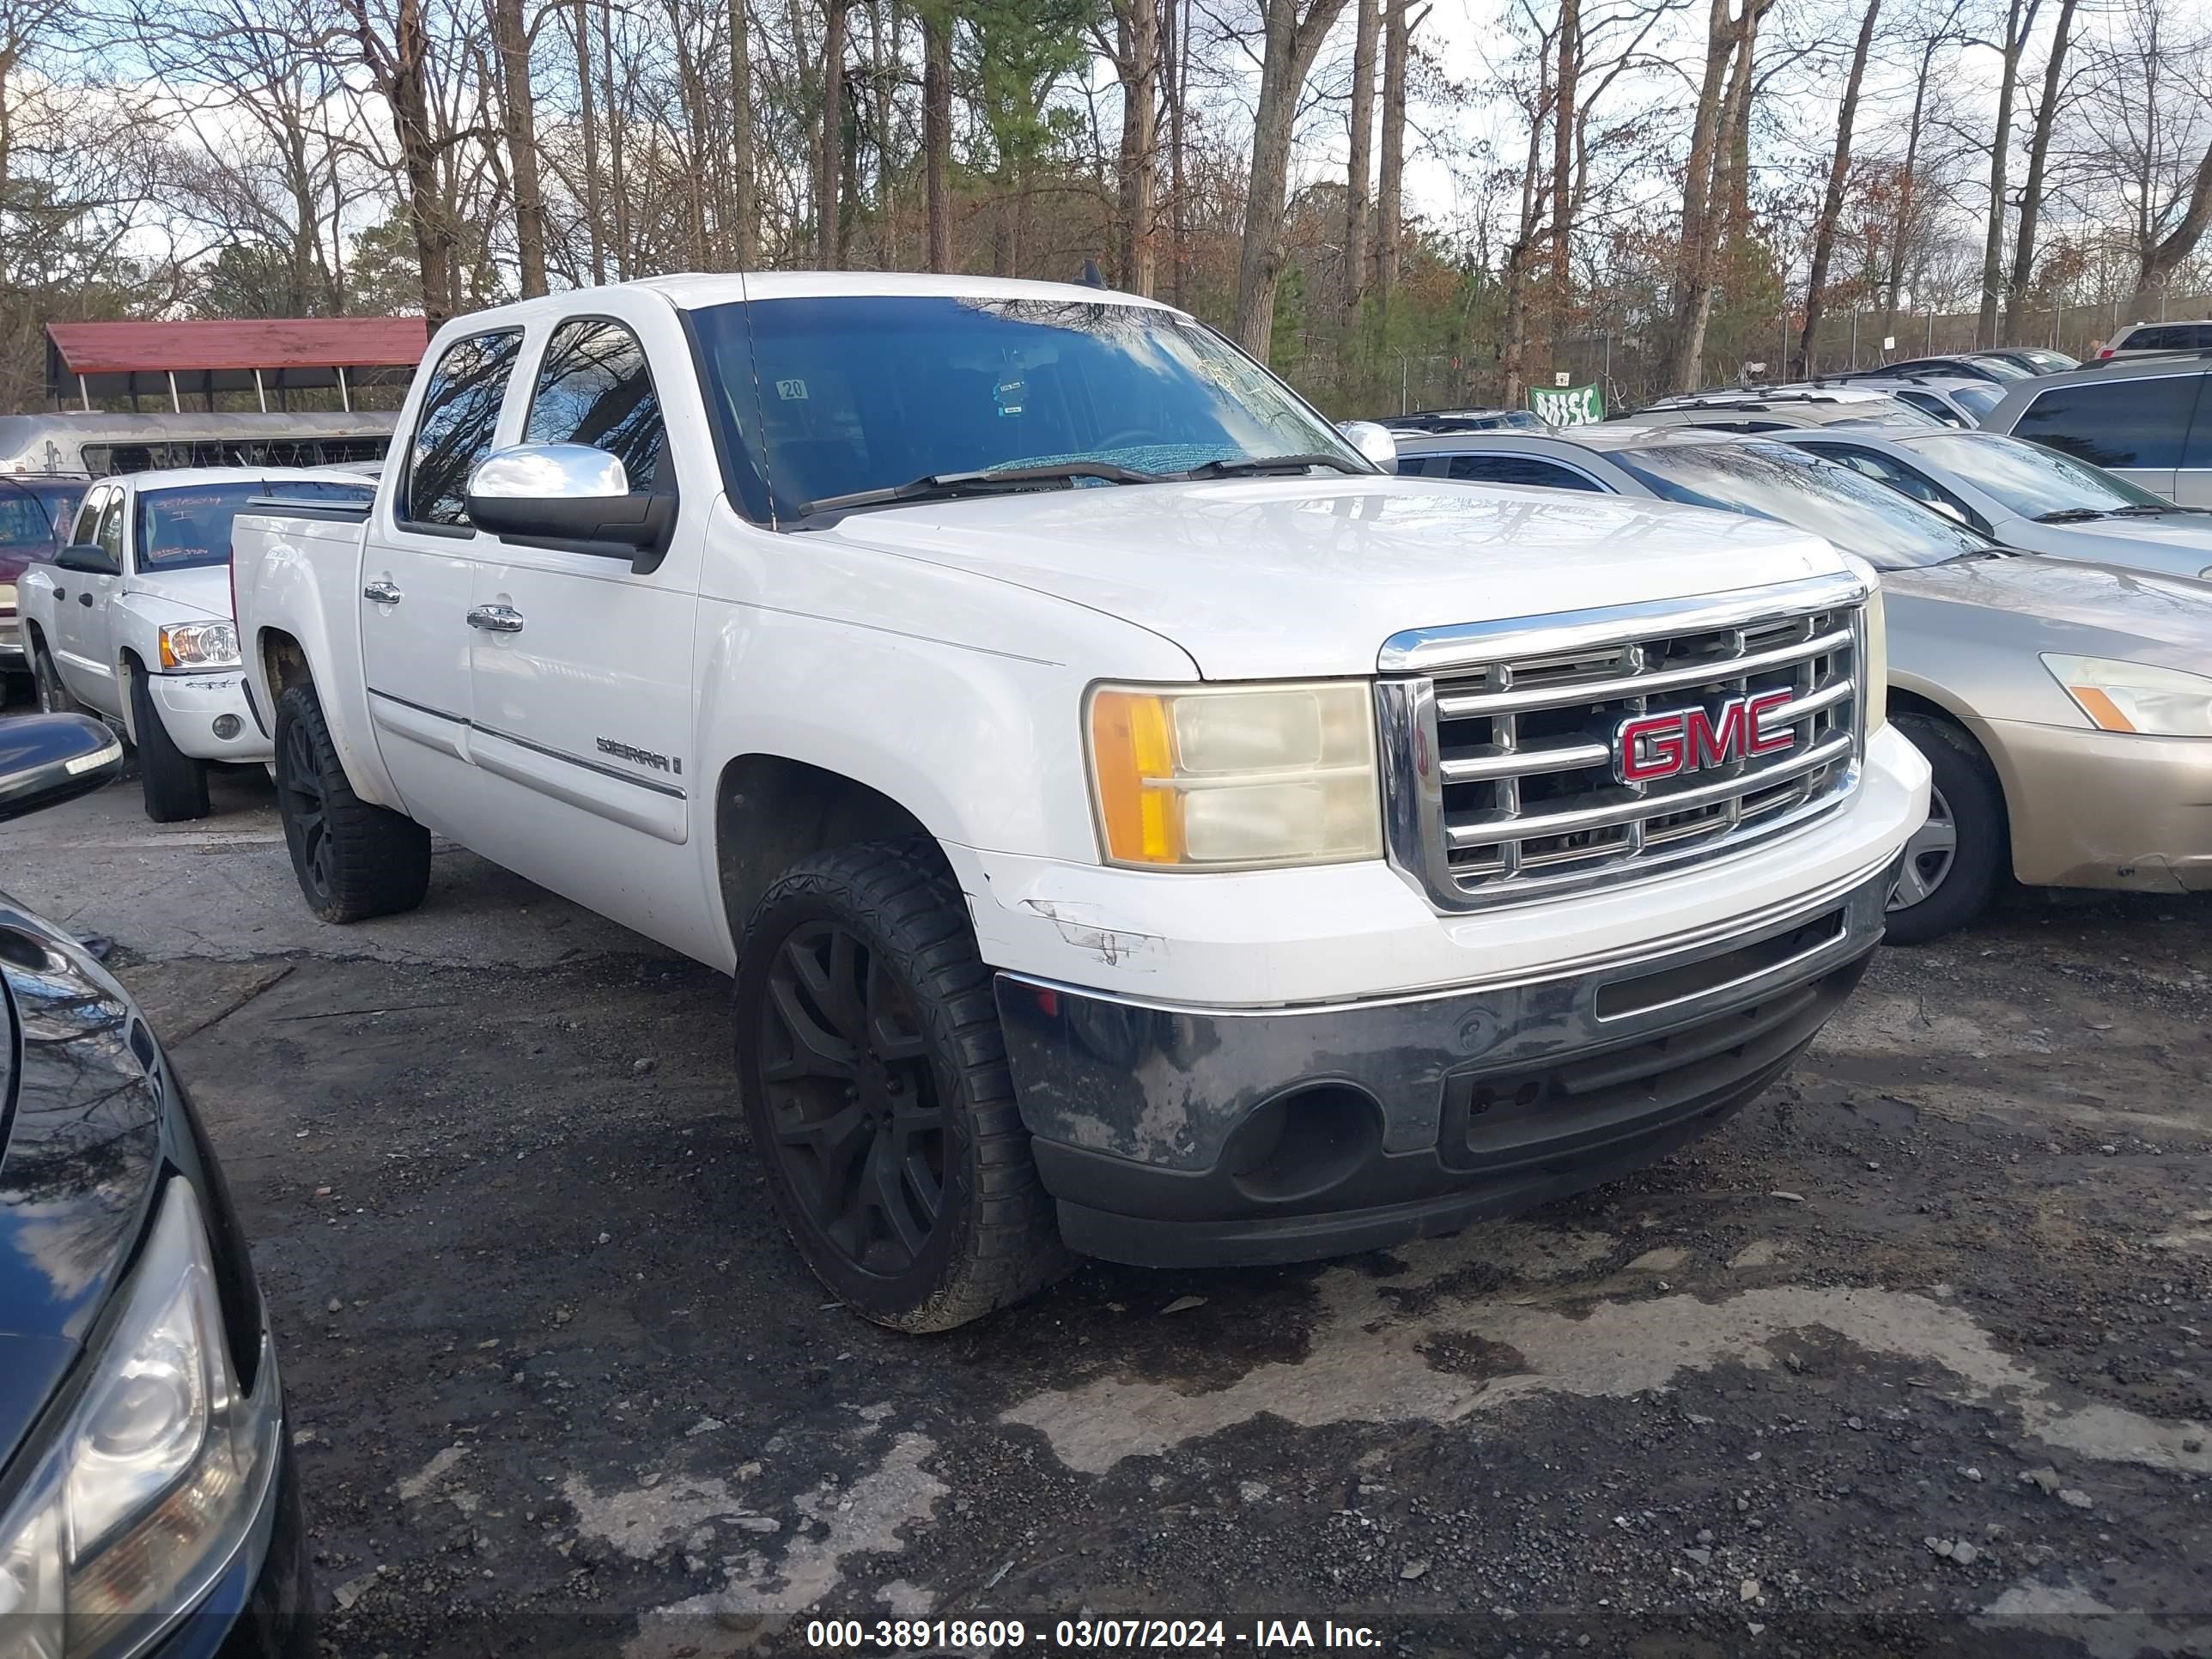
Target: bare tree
{"x": 1390, "y": 185}
{"x": 1137, "y": 29}
{"x": 1564, "y": 131}
{"x": 744, "y": 183}
{"x": 937, "y": 132}
{"x": 1731, "y": 38}
{"x": 2165, "y": 257}
{"x": 519, "y": 111}
{"x": 2039, "y": 158}
{"x": 829, "y": 165}
{"x": 1359, "y": 174}
{"x": 1832, "y": 200}
{"x": 2019, "y": 24}
{"x": 1906, "y": 195}
{"x": 1292, "y": 39}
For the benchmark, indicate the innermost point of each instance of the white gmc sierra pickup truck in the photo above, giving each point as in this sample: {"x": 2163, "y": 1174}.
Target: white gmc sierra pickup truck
{"x": 1137, "y": 825}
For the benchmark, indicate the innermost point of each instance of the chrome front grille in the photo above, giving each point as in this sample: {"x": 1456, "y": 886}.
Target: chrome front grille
{"x": 1504, "y": 743}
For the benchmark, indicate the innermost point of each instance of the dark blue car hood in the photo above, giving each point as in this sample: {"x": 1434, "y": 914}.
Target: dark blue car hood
{"x": 82, "y": 1107}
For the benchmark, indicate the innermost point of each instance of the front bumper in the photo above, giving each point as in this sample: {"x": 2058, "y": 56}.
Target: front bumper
{"x": 191, "y": 704}
{"x": 1180, "y": 1136}
{"x": 12, "y": 658}
{"x": 2103, "y": 809}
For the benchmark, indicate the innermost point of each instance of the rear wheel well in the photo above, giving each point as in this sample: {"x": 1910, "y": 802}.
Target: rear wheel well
{"x": 770, "y": 812}
{"x": 285, "y": 663}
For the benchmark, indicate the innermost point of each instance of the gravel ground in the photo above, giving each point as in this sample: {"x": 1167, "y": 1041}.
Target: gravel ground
{"x": 1909, "y": 1357}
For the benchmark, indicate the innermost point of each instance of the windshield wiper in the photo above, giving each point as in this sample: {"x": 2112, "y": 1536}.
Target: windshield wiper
{"x": 2146, "y": 510}
{"x": 2071, "y": 515}
{"x": 1246, "y": 466}
{"x": 937, "y": 486}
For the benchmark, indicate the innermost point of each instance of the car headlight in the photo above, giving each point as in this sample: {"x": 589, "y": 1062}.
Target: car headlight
{"x": 2135, "y": 697}
{"x": 155, "y": 1477}
{"x": 1876, "y": 697}
{"x": 200, "y": 645}
{"x": 1235, "y": 777}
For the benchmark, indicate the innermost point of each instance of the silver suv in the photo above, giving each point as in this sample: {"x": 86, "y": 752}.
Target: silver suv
{"x": 2144, "y": 420}
{"x": 2147, "y": 339}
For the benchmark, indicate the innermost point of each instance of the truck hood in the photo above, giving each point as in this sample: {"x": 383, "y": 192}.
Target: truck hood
{"x": 2048, "y": 604}
{"x": 1287, "y": 577}
{"x": 204, "y": 590}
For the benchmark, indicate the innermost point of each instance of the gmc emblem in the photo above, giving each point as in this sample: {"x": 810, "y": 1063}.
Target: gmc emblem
{"x": 1648, "y": 747}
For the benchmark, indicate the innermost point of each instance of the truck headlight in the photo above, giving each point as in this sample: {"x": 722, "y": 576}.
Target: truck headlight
{"x": 1235, "y": 777}
{"x": 7, "y": 596}
{"x": 2135, "y": 697}
{"x": 156, "y": 1476}
{"x": 200, "y": 645}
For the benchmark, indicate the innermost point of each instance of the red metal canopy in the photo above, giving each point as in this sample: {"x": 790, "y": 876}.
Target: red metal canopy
{"x": 268, "y": 344}
{"x": 169, "y": 362}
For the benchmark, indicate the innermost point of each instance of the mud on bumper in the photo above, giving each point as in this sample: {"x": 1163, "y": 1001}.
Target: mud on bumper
{"x": 1183, "y": 1137}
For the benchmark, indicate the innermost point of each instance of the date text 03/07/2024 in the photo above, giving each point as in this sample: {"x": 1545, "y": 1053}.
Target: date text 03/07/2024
{"x": 1082, "y": 1635}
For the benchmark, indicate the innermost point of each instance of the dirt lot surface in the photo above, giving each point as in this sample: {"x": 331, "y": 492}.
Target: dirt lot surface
{"x": 1911, "y": 1357}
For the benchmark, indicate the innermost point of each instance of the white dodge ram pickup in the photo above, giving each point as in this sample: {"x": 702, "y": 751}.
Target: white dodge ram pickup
{"x": 131, "y": 620}
{"x": 1137, "y": 826}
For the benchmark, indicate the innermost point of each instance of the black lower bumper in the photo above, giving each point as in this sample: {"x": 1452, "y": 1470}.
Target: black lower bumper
{"x": 1181, "y": 1137}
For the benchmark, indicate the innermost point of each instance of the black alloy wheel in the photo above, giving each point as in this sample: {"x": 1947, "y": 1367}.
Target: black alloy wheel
{"x": 305, "y": 810}
{"x": 859, "y": 1131}
{"x": 354, "y": 860}
{"x": 873, "y": 1075}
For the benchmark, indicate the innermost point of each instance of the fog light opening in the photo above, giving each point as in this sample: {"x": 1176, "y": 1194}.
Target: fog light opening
{"x": 1303, "y": 1143}
{"x": 228, "y": 727}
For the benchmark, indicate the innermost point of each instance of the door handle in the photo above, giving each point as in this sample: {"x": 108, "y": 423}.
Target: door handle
{"x": 496, "y": 619}
{"x": 381, "y": 592}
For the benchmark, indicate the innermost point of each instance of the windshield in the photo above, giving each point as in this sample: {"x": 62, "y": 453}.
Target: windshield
{"x": 1772, "y": 481}
{"x": 188, "y": 527}
{"x": 2003, "y": 367}
{"x": 863, "y": 393}
{"x": 2030, "y": 479}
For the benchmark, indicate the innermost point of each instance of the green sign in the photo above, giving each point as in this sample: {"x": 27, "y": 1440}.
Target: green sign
{"x": 1567, "y": 406}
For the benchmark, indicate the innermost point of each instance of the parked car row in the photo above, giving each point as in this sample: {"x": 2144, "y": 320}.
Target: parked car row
{"x": 2063, "y": 700}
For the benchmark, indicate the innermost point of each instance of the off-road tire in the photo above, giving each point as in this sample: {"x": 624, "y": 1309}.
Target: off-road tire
{"x": 353, "y": 860}
{"x": 1981, "y": 860}
{"x": 175, "y": 785}
{"x": 994, "y": 1242}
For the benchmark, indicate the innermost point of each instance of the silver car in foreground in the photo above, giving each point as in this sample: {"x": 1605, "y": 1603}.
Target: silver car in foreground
{"x": 2030, "y": 498}
{"x": 2065, "y": 707}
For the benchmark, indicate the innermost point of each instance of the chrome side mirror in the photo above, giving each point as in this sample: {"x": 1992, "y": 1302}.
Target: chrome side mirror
{"x": 1373, "y": 442}
{"x": 46, "y": 759}
{"x": 572, "y": 498}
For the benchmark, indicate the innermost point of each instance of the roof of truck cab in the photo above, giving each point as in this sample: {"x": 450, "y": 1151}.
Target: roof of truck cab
{"x": 696, "y": 290}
